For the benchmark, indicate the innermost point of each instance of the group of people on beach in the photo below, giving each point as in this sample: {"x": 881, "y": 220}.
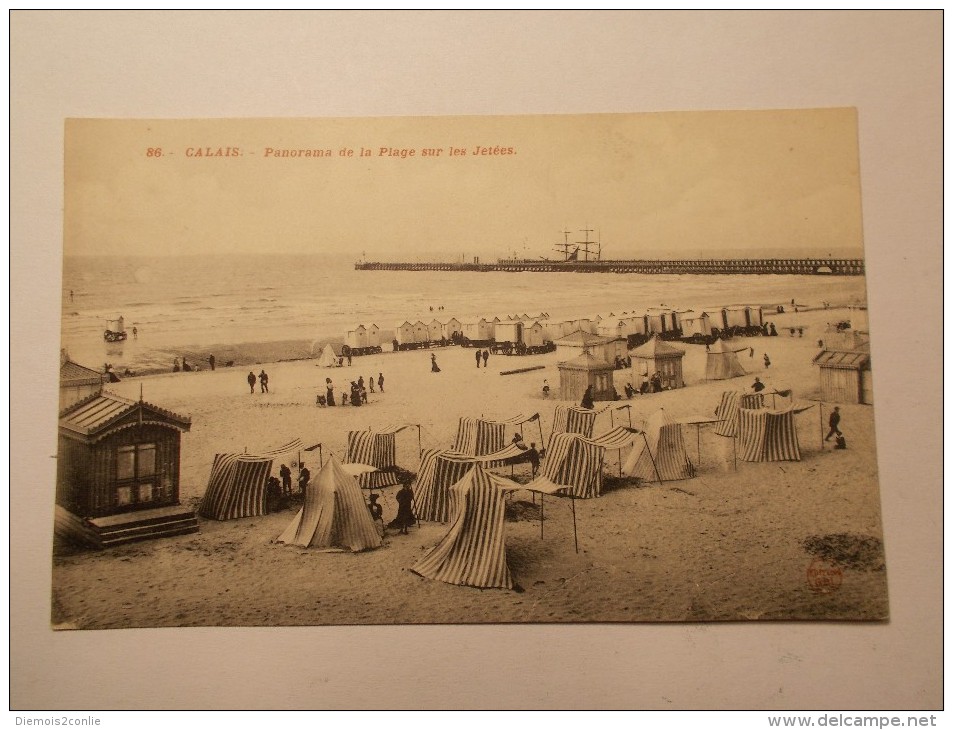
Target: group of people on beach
{"x": 262, "y": 380}
{"x": 356, "y": 396}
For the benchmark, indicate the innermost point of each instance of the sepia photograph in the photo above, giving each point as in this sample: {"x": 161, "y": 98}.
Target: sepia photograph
{"x": 431, "y": 360}
{"x": 527, "y": 369}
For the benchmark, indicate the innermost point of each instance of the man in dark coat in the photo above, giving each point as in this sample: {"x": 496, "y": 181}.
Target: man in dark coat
{"x": 304, "y": 476}
{"x": 251, "y": 380}
{"x": 263, "y": 380}
{"x": 486, "y": 356}
{"x": 285, "y": 478}
{"x": 834, "y": 423}
{"x": 380, "y": 382}
{"x": 479, "y": 356}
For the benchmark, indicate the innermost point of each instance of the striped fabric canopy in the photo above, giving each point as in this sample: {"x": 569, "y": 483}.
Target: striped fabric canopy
{"x": 334, "y": 514}
{"x": 439, "y": 470}
{"x": 479, "y": 436}
{"x": 237, "y": 483}
{"x": 575, "y": 461}
{"x": 376, "y": 448}
{"x": 573, "y": 419}
{"x": 767, "y": 435}
{"x": 473, "y": 552}
{"x": 727, "y": 410}
{"x": 661, "y": 455}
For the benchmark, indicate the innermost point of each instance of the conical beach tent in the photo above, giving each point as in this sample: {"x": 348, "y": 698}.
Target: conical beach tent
{"x": 575, "y": 461}
{"x": 334, "y": 514}
{"x": 473, "y": 552}
{"x": 722, "y": 362}
{"x": 328, "y": 358}
{"x": 661, "y": 455}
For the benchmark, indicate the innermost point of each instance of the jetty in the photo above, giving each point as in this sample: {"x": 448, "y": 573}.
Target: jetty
{"x": 819, "y": 266}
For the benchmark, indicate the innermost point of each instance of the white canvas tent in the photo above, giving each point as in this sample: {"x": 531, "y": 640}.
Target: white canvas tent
{"x": 661, "y": 454}
{"x": 328, "y": 358}
{"x": 722, "y": 361}
{"x": 334, "y": 514}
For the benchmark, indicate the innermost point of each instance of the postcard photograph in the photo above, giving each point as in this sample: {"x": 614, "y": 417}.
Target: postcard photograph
{"x": 465, "y": 370}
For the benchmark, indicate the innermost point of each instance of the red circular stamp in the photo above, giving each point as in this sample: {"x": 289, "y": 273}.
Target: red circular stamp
{"x": 824, "y": 576}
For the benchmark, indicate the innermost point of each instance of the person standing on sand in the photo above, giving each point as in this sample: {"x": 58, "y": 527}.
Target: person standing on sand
{"x": 263, "y": 380}
{"x": 285, "y": 473}
{"x": 587, "y": 401}
{"x": 135, "y": 333}
{"x": 757, "y": 386}
{"x": 767, "y": 361}
{"x": 330, "y": 391}
{"x": 834, "y": 423}
{"x": 479, "y": 356}
{"x": 486, "y": 356}
{"x": 251, "y": 380}
{"x": 545, "y": 388}
{"x": 304, "y": 476}
{"x": 370, "y": 381}
{"x": 750, "y": 352}
{"x": 434, "y": 368}
{"x": 211, "y": 361}
{"x": 175, "y": 365}
{"x": 380, "y": 382}
{"x": 405, "y": 508}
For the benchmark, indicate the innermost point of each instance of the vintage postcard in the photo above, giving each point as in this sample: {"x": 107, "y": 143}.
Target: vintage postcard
{"x": 465, "y": 370}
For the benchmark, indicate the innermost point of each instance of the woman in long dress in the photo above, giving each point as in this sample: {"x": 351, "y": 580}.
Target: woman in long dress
{"x": 405, "y": 509}
{"x": 587, "y": 399}
{"x": 433, "y": 364}
{"x": 330, "y": 393}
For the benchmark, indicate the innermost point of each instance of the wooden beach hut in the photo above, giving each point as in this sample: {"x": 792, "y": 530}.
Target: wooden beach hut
{"x": 556, "y": 329}
{"x": 373, "y": 335}
{"x": 118, "y": 471}
{"x": 615, "y": 327}
{"x": 451, "y": 327}
{"x": 421, "y": 332}
{"x": 572, "y": 345}
{"x": 478, "y": 330}
{"x": 434, "y": 330}
{"x": 404, "y": 333}
{"x": 77, "y": 382}
{"x": 696, "y": 324}
{"x": 356, "y": 338}
{"x": 582, "y": 371}
{"x": 657, "y": 356}
{"x": 846, "y": 375}
{"x": 534, "y": 335}
{"x": 659, "y": 321}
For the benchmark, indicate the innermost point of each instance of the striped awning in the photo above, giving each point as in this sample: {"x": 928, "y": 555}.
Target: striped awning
{"x": 768, "y": 435}
{"x": 473, "y": 552}
{"x": 236, "y": 487}
{"x": 575, "y": 462}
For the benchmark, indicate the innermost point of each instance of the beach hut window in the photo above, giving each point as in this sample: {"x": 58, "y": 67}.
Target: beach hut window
{"x": 136, "y": 465}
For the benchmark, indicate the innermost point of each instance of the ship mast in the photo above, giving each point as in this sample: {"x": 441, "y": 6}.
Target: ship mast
{"x": 588, "y": 246}
{"x": 565, "y": 246}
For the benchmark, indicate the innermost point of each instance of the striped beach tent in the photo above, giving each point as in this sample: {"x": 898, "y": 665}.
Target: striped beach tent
{"x": 573, "y": 419}
{"x": 480, "y": 436}
{"x": 575, "y": 461}
{"x": 439, "y": 470}
{"x": 768, "y": 435}
{"x": 660, "y": 455}
{"x": 727, "y": 410}
{"x": 473, "y": 552}
{"x": 237, "y": 484}
{"x": 334, "y": 514}
{"x": 377, "y": 449}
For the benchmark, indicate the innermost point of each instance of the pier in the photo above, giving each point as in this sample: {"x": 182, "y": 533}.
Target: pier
{"x": 821, "y": 266}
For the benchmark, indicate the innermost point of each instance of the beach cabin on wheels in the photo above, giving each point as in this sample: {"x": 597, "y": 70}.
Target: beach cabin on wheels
{"x": 434, "y": 330}
{"x": 404, "y": 334}
{"x": 356, "y": 338}
{"x": 451, "y": 327}
{"x": 656, "y": 356}
{"x": 582, "y": 371}
{"x": 478, "y": 331}
{"x": 696, "y": 325}
{"x": 118, "y": 472}
{"x": 534, "y": 335}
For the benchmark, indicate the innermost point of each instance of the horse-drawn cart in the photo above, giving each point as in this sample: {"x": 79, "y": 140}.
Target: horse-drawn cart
{"x": 115, "y": 330}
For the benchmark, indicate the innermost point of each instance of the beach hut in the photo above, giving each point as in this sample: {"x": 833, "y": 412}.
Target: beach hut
{"x": 555, "y": 329}
{"x": 583, "y": 324}
{"x": 478, "y": 330}
{"x": 679, "y": 316}
{"x": 77, "y": 382}
{"x": 615, "y": 327}
{"x": 657, "y": 356}
{"x": 117, "y": 477}
{"x": 334, "y": 515}
{"x": 237, "y": 484}
{"x": 721, "y": 361}
{"x": 434, "y": 330}
{"x": 373, "y": 335}
{"x": 659, "y": 321}
{"x": 356, "y": 338}
{"x": 573, "y": 344}
{"x": 696, "y": 324}
{"x": 742, "y": 315}
{"x": 404, "y": 333}
{"x": 768, "y": 435}
{"x": 583, "y": 371}
{"x": 755, "y": 316}
{"x": 845, "y": 374}
{"x": 661, "y": 454}
{"x": 328, "y": 358}
{"x": 473, "y": 552}
{"x": 534, "y": 335}
{"x": 511, "y": 332}
{"x": 421, "y": 332}
{"x": 451, "y": 327}
{"x": 575, "y": 461}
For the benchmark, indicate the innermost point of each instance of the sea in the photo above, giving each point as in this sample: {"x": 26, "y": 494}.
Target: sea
{"x": 264, "y": 308}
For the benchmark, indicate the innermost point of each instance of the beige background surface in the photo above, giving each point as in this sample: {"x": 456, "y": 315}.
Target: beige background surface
{"x": 888, "y": 65}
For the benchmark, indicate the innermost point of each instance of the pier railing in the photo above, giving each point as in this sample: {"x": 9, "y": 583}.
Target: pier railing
{"x": 836, "y": 267}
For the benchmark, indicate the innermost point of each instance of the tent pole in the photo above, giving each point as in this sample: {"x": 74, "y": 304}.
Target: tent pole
{"x": 652, "y": 458}
{"x": 320, "y": 454}
{"x": 542, "y": 512}
{"x": 542, "y": 443}
{"x": 420, "y": 449}
{"x": 698, "y": 439}
{"x": 575, "y": 535}
{"x": 611, "y": 419}
{"x": 820, "y": 411}
{"x": 630, "y": 416}
{"x": 734, "y": 451}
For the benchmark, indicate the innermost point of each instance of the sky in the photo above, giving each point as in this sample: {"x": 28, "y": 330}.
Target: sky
{"x": 659, "y": 185}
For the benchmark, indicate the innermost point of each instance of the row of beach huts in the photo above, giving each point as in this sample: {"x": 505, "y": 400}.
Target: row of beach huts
{"x": 535, "y": 331}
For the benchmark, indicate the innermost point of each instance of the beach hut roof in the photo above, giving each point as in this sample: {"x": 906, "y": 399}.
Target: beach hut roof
{"x": 103, "y": 413}
{"x": 583, "y": 339}
{"x": 73, "y": 374}
{"x": 586, "y": 361}
{"x": 656, "y": 347}
{"x": 844, "y": 359}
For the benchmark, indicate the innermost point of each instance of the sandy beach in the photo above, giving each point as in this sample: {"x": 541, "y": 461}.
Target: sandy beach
{"x": 730, "y": 544}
